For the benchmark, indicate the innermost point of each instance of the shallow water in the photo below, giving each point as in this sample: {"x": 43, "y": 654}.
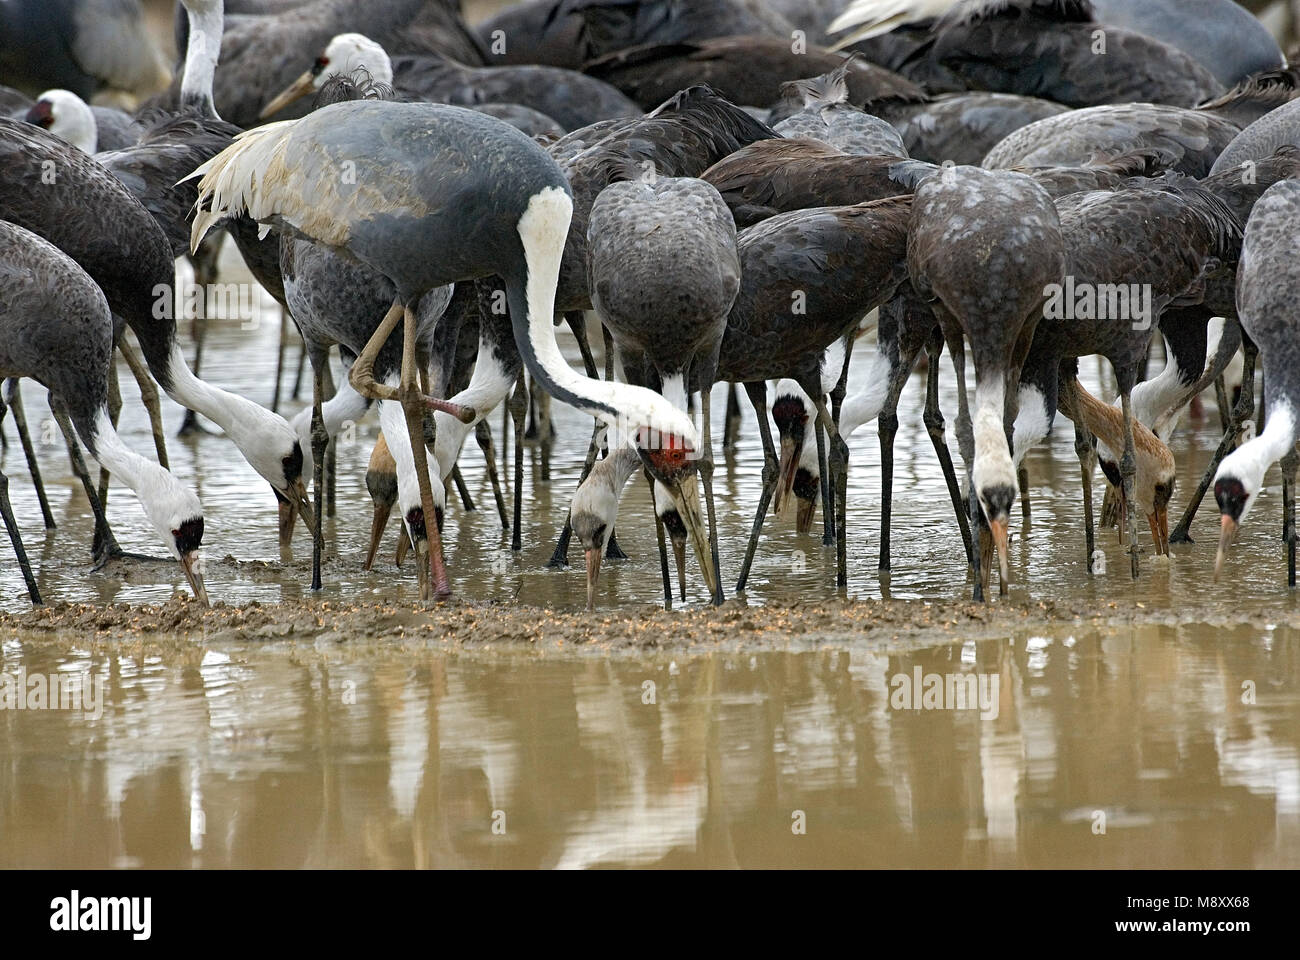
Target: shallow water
{"x": 240, "y": 519}
{"x": 233, "y": 754}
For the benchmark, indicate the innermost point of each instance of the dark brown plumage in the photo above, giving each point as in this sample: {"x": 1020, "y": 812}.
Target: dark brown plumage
{"x": 1054, "y": 49}
{"x": 774, "y": 176}
{"x": 747, "y": 70}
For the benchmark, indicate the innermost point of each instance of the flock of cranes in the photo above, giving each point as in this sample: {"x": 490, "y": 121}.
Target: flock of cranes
{"x": 1032, "y": 181}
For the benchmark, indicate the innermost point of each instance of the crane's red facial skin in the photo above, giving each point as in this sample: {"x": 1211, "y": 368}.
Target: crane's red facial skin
{"x": 670, "y": 464}
{"x": 667, "y": 456}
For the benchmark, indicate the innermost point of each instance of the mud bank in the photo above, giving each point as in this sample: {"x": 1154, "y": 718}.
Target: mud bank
{"x": 512, "y": 626}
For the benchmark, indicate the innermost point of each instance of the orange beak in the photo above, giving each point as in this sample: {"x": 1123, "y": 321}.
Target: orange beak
{"x": 789, "y": 466}
{"x": 593, "y": 572}
{"x": 377, "y": 527}
{"x": 999, "y": 530}
{"x": 1227, "y": 533}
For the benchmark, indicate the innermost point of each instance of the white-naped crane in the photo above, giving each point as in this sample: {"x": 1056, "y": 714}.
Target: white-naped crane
{"x": 425, "y": 195}
{"x": 1047, "y": 48}
{"x": 567, "y": 97}
{"x": 983, "y": 248}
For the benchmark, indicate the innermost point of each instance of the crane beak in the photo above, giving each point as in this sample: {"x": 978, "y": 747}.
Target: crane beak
{"x": 804, "y": 518}
{"x": 294, "y": 92}
{"x": 785, "y": 475}
{"x": 679, "y": 557}
{"x": 1159, "y": 521}
{"x": 288, "y": 515}
{"x": 302, "y": 504}
{"x": 422, "y": 565}
{"x": 593, "y": 572}
{"x": 999, "y": 530}
{"x": 686, "y": 498}
{"x": 377, "y": 527}
{"x": 191, "y": 564}
{"x": 403, "y": 545}
{"x": 1227, "y": 533}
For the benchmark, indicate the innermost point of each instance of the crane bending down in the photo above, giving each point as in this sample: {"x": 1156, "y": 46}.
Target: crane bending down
{"x": 56, "y": 329}
{"x": 428, "y": 194}
{"x": 1267, "y": 281}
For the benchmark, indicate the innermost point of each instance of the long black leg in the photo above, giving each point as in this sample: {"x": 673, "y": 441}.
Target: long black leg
{"x": 319, "y": 442}
{"x": 827, "y": 482}
{"x": 11, "y": 525}
{"x": 758, "y": 397}
{"x": 1086, "y": 450}
{"x": 16, "y": 539}
{"x": 663, "y": 546}
{"x": 705, "y": 466}
{"x": 934, "y": 426}
{"x": 483, "y": 434}
{"x": 578, "y": 324}
{"x": 983, "y": 540}
{"x": 560, "y": 556}
{"x": 106, "y": 543}
{"x": 731, "y": 427}
{"x": 518, "y": 405}
{"x": 148, "y": 396}
{"x": 1289, "y": 463}
{"x": 14, "y": 398}
{"x": 839, "y": 464}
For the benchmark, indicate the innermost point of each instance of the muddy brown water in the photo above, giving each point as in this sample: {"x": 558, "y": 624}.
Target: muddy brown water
{"x": 1153, "y": 723}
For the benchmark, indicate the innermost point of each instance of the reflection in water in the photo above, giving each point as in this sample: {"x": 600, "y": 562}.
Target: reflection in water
{"x": 361, "y": 755}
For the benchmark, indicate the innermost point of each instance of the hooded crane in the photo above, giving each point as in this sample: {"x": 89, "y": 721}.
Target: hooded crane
{"x": 567, "y": 97}
{"x": 748, "y": 70}
{"x": 827, "y": 117}
{"x": 66, "y": 115}
{"x": 1219, "y": 34}
{"x": 425, "y": 195}
{"x": 261, "y": 55}
{"x": 664, "y": 274}
{"x": 1268, "y": 280}
{"x": 56, "y": 328}
{"x": 984, "y": 246}
{"x": 1045, "y": 48}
